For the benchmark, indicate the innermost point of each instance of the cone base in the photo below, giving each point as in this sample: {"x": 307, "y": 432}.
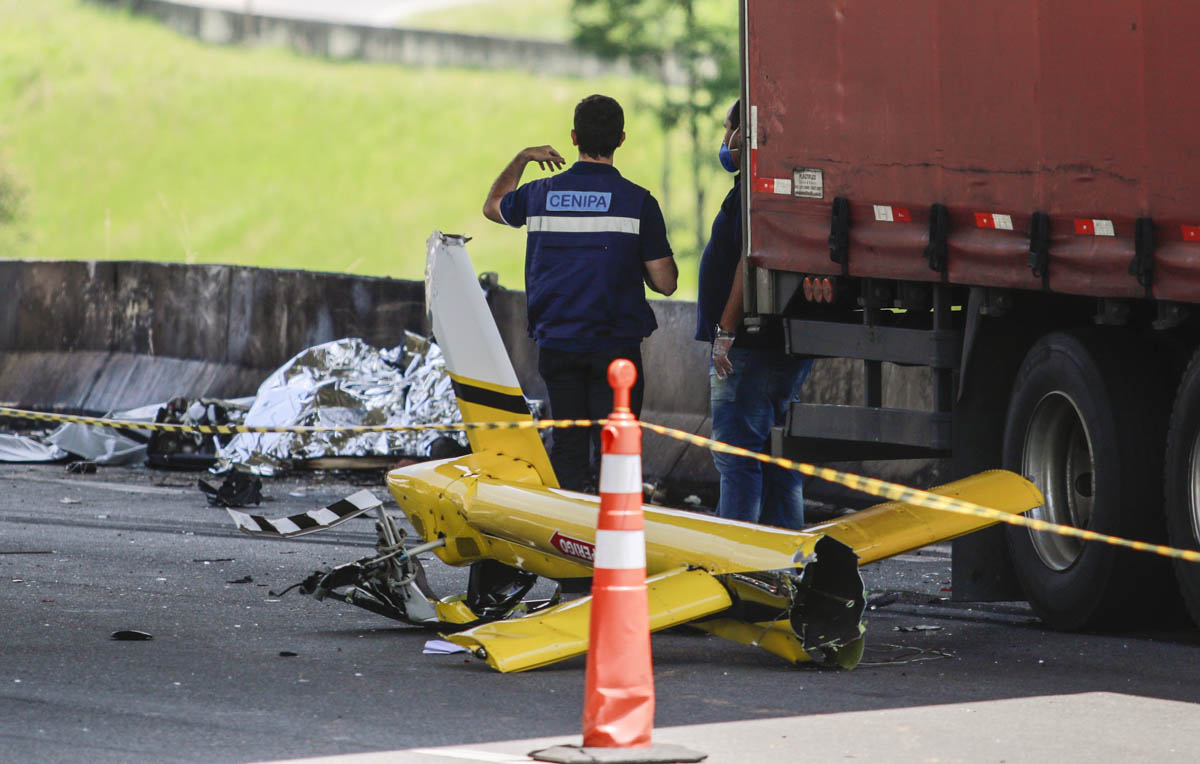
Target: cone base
{"x": 653, "y": 754}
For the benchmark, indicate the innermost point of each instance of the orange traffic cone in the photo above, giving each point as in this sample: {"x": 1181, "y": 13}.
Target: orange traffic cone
{"x": 618, "y": 705}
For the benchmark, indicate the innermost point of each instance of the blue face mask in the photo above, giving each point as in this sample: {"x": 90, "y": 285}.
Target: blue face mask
{"x": 727, "y": 159}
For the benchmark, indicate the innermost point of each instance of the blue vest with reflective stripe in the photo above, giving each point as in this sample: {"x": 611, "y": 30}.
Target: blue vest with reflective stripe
{"x": 583, "y": 267}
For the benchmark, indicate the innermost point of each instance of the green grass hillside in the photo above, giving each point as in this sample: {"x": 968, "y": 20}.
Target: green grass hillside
{"x": 546, "y": 19}
{"x": 127, "y": 141}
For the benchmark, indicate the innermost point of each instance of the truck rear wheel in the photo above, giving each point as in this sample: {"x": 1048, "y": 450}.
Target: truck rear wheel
{"x": 1085, "y": 424}
{"x": 1182, "y": 483}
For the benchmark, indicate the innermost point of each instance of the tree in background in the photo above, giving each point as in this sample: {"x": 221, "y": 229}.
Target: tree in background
{"x": 691, "y": 47}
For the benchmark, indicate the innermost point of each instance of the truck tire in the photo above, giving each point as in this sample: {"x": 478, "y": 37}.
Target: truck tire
{"x": 1182, "y": 483}
{"x": 1086, "y": 423}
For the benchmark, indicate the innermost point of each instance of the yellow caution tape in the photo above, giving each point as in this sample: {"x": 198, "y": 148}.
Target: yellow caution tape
{"x": 234, "y": 429}
{"x": 872, "y": 486}
{"x": 898, "y": 492}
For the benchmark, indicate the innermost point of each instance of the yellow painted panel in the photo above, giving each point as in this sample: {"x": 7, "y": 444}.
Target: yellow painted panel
{"x": 561, "y": 632}
{"x": 524, "y": 444}
{"x": 776, "y": 637}
{"x": 454, "y": 611}
{"x": 531, "y": 515}
{"x": 894, "y": 528}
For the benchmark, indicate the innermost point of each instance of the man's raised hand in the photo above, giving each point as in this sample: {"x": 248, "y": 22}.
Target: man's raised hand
{"x": 546, "y": 157}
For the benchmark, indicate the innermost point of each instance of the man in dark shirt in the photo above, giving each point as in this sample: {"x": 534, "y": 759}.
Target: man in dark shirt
{"x": 752, "y": 380}
{"x": 593, "y": 239}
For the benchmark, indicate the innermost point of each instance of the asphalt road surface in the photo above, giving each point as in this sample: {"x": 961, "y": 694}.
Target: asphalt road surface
{"x": 84, "y": 556}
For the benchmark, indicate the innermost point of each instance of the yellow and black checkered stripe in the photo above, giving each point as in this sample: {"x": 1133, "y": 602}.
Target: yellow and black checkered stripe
{"x": 868, "y": 485}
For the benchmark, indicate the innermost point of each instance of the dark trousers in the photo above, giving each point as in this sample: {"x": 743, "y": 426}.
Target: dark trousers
{"x": 578, "y": 387}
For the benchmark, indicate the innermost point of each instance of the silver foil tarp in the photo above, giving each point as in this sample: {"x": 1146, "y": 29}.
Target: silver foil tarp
{"x": 102, "y": 445}
{"x": 105, "y": 445}
{"x": 23, "y": 448}
{"x": 347, "y": 383}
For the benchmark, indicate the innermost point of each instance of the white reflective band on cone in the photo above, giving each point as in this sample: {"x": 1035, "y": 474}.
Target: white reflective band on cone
{"x": 621, "y": 473}
{"x": 620, "y": 550}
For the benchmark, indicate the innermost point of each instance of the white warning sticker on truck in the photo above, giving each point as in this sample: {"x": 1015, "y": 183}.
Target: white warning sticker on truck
{"x": 1094, "y": 227}
{"x": 886, "y": 213}
{"x": 996, "y": 220}
{"x": 808, "y": 183}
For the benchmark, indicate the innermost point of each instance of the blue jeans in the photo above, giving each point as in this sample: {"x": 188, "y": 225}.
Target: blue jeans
{"x": 745, "y": 405}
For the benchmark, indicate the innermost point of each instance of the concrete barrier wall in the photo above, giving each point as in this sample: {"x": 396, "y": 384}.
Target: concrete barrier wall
{"x": 410, "y": 47}
{"x": 99, "y": 335}
{"x": 96, "y": 336}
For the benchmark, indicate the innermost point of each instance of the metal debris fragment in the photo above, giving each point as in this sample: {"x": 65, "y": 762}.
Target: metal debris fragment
{"x": 901, "y": 655}
{"x": 442, "y": 647}
{"x": 131, "y": 635}
{"x": 237, "y": 490}
{"x": 192, "y": 450}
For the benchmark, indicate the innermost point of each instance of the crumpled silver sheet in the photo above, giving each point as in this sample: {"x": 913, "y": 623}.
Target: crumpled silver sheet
{"x": 105, "y": 445}
{"x": 347, "y": 383}
{"x": 23, "y": 448}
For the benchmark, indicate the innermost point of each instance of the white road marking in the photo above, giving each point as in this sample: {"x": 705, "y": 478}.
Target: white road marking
{"x": 470, "y": 755}
{"x": 123, "y": 487}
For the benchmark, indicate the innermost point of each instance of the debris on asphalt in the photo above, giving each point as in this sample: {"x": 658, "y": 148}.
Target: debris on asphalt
{"x": 918, "y": 627}
{"x": 307, "y": 522}
{"x": 900, "y": 655}
{"x": 881, "y": 600}
{"x": 237, "y": 490}
{"x": 81, "y": 468}
{"x": 192, "y": 450}
{"x": 287, "y": 654}
{"x": 131, "y": 635}
{"x": 242, "y": 580}
{"x": 69, "y": 500}
{"x": 442, "y": 647}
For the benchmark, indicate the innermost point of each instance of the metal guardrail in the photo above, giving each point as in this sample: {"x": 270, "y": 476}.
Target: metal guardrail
{"x": 384, "y": 44}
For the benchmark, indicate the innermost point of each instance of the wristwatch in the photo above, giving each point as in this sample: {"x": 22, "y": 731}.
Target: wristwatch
{"x": 719, "y": 333}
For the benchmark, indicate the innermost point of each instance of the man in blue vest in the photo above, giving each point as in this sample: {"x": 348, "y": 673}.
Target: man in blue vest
{"x": 594, "y": 239}
{"x": 751, "y": 379}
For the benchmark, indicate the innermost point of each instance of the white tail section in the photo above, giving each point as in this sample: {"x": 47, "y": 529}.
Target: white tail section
{"x": 483, "y": 376}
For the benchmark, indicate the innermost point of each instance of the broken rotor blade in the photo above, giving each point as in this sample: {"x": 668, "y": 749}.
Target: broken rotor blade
{"x": 307, "y": 522}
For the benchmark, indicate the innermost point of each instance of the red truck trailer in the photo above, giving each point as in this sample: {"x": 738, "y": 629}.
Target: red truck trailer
{"x": 1006, "y": 192}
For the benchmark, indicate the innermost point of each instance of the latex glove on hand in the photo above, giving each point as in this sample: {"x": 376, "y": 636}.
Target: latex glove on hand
{"x": 720, "y": 353}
